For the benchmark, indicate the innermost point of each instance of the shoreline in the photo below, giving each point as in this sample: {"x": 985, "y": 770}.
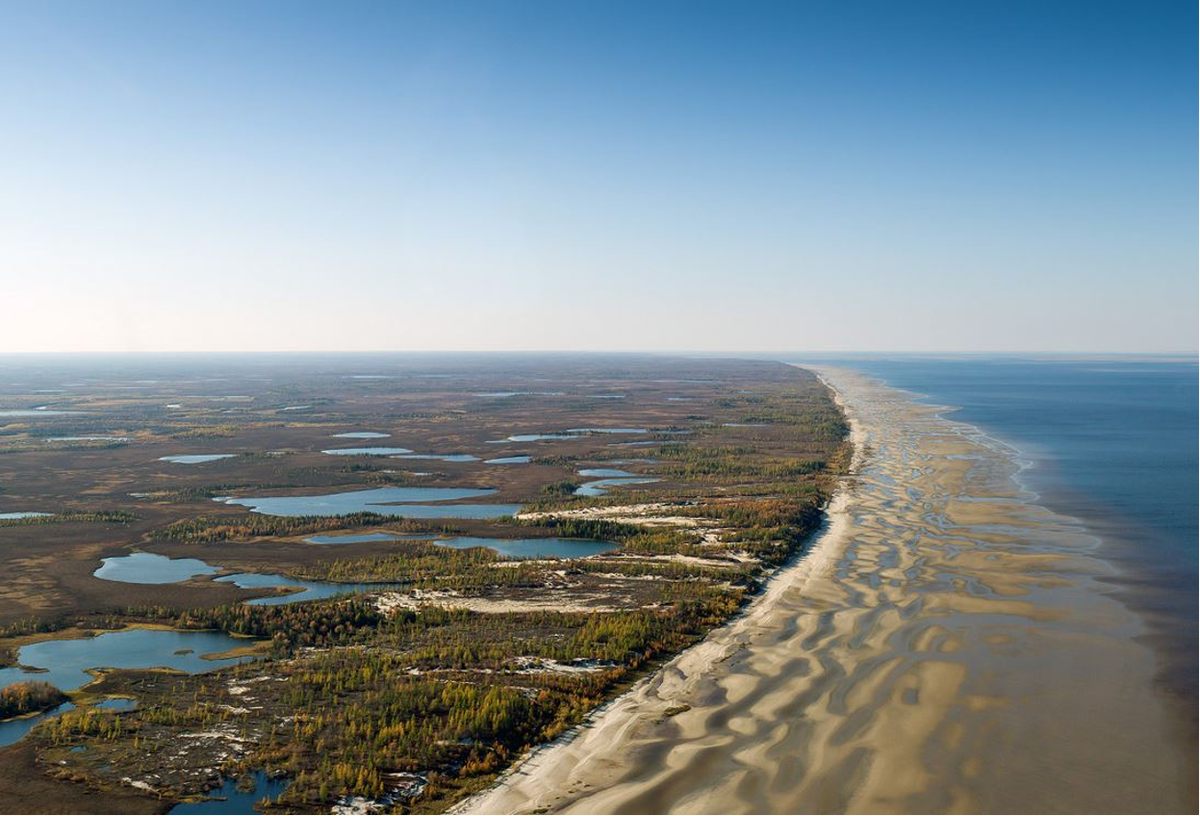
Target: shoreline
{"x": 660, "y": 689}
{"x": 943, "y": 624}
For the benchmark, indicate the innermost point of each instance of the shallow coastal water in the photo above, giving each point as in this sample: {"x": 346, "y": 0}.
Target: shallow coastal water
{"x": 65, "y": 660}
{"x": 948, "y": 646}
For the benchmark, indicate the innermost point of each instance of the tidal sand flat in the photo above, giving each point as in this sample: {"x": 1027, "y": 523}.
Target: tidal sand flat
{"x": 943, "y": 626}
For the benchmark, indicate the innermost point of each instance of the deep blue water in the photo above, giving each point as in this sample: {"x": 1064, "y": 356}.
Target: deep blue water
{"x": 1111, "y": 441}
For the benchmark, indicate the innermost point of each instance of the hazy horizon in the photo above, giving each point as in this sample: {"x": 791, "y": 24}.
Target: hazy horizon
{"x": 995, "y": 177}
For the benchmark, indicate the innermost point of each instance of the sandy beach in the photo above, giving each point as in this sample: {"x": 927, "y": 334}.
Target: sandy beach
{"x": 947, "y": 645}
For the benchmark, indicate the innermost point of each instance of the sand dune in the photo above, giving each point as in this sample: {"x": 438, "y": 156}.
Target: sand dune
{"x": 947, "y": 646}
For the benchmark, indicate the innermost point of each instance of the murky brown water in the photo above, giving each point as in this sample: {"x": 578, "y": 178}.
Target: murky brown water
{"x": 947, "y": 647}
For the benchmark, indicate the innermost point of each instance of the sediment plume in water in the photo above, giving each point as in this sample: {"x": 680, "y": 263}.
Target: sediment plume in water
{"x": 947, "y": 646}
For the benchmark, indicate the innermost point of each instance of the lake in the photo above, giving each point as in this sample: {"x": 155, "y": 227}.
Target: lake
{"x": 366, "y": 451}
{"x": 361, "y": 435}
{"x": 228, "y": 798}
{"x": 386, "y": 500}
{"x": 13, "y": 730}
{"x": 509, "y": 460}
{"x": 195, "y": 459}
{"x": 532, "y": 547}
{"x": 614, "y": 478}
{"x": 356, "y": 538}
{"x": 445, "y": 457}
{"x": 150, "y": 568}
{"x": 67, "y": 659}
{"x": 309, "y": 590}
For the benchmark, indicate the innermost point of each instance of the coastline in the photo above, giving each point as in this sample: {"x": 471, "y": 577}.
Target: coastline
{"x": 946, "y": 626}
{"x": 544, "y": 771}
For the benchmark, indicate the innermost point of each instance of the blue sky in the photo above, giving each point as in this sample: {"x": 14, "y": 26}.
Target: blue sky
{"x": 941, "y": 176}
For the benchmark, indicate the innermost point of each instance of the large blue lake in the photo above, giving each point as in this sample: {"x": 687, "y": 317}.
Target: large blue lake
{"x": 1111, "y": 441}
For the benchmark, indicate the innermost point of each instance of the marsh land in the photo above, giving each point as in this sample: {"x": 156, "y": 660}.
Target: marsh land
{"x": 240, "y": 599}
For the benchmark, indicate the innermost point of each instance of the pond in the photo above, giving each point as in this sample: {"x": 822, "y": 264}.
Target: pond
{"x": 89, "y": 439}
{"x": 608, "y": 430}
{"x": 532, "y": 438}
{"x": 13, "y": 730}
{"x": 445, "y": 457}
{"x": 309, "y": 590}
{"x": 509, "y": 460}
{"x": 149, "y": 568}
{"x": 229, "y": 798}
{"x": 356, "y": 538}
{"x": 65, "y": 660}
{"x": 23, "y": 514}
{"x": 361, "y": 435}
{"x": 116, "y": 704}
{"x": 532, "y": 547}
{"x": 35, "y": 412}
{"x": 195, "y": 459}
{"x": 385, "y": 500}
{"x": 614, "y": 478}
{"x": 366, "y": 451}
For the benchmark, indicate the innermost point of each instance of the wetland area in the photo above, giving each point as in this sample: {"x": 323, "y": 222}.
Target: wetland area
{"x": 208, "y": 606}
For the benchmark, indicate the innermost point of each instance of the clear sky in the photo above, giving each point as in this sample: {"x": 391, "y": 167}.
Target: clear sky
{"x": 893, "y": 176}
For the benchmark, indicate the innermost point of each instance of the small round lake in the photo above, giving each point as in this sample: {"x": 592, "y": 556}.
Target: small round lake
{"x": 66, "y": 660}
{"x": 532, "y": 547}
{"x": 149, "y": 568}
